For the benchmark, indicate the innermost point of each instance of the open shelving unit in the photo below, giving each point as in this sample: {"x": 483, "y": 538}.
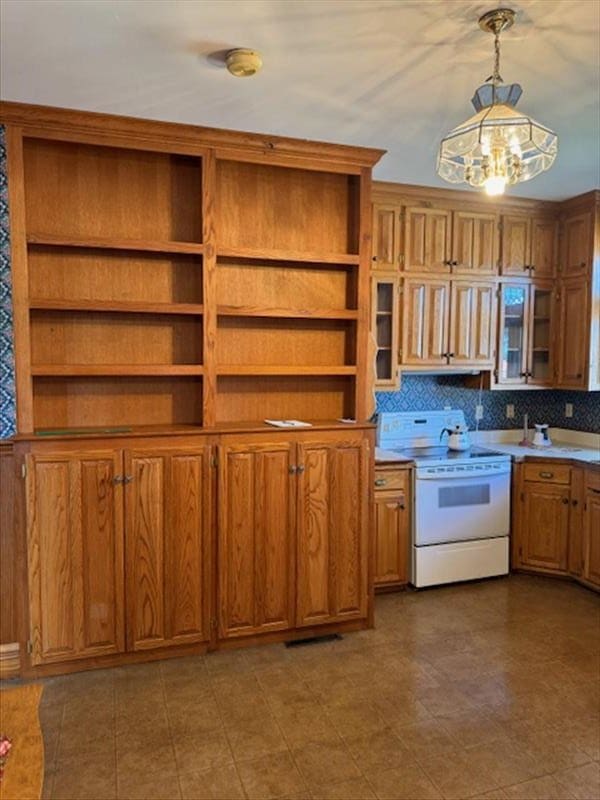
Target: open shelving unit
{"x": 169, "y": 284}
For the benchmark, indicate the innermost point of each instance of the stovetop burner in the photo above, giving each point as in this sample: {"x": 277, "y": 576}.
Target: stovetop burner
{"x": 442, "y": 453}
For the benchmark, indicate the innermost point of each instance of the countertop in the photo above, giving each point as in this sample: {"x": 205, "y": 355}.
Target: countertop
{"x": 567, "y": 445}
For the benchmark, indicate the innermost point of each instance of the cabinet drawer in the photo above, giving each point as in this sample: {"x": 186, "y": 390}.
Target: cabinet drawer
{"x": 391, "y": 479}
{"x": 547, "y": 473}
{"x": 592, "y": 479}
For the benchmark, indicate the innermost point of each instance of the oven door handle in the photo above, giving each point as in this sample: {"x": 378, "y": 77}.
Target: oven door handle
{"x": 449, "y": 476}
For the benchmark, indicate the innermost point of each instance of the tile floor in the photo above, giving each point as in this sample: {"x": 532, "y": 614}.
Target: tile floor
{"x": 482, "y": 690}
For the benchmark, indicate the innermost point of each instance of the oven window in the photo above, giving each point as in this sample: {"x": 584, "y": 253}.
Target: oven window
{"x": 452, "y": 496}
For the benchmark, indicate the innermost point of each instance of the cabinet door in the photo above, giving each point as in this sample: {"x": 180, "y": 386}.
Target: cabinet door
{"x": 386, "y": 236}
{"x": 425, "y": 322}
{"x": 427, "y": 240}
{"x": 256, "y": 538}
{"x": 540, "y": 339}
{"x": 577, "y": 247}
{"x": 545, "y": 526}
{"x": 516, "y": 245}
{"x": 385, "y": 323}
{"x": 544, "y": 247}
{"x": 167, "y": 546}
{"x": 391, "y": 538}
{"x": 333, "y": 531}
{"x": 472, "y": 323}
{"x": 591, "y": 528}
{"x": 75, "y": 555}
{"x": 512, "y": 348}
{"x": 572, "y": 334}
{"x": 474, "y": 243}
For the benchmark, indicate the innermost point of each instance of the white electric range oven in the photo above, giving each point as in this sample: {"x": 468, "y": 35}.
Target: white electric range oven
{"x": 461, "y": 519}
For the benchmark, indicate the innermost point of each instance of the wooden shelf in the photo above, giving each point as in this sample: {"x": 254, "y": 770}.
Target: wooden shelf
{"x": 288, "y": 255}
{"x": 289, "y": 313}
{"x": 125, "y": 306}
{"x": 128, "y": 370}
{"x": 244, "y": 369}
{"x": 190, "y": 248}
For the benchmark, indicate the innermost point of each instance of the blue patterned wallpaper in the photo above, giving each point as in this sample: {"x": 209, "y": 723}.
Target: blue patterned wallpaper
{"x": 7, "y": 360}
{"x": 418, "y": 393}
{"x": 427, "y": 393}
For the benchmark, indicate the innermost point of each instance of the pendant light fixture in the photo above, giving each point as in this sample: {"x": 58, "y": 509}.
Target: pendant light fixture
{"x": 498, "y": 146}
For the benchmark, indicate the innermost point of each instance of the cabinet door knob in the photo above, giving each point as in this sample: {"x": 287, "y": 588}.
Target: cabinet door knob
{"x": 575, "y": 503}
{"x": 565, "y": 501}
{"x": 583, "y": 264}
{"x": 401, "y": 506}
{"x": 292, "y": 469}
{"x": 454, "y": 263}
{"x": 117, "y": 479}
{"x": 447, "y": 262}
{"x": 374, "y": 258}
{"x": 127, "y": 478}
{"x": 300, "y": 469}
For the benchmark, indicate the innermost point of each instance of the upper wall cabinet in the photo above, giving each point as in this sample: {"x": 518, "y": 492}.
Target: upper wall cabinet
{"x": 577, "y": 245}
{"x": 528, "y": 246}
{"x": 386, "y": 237}
{"x": 456, "y": 242}
{"x": 474, "y": 243}
{"x": 427, "y": 240}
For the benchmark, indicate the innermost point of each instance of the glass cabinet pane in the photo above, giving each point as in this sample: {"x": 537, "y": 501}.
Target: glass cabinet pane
{"x": 385, "y": 330}
{"x": 512, "y": 337}
{"x": 541, "y": 328}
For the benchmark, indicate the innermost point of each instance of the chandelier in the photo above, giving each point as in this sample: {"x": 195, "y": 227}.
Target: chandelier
{"x": 498, "y": 146}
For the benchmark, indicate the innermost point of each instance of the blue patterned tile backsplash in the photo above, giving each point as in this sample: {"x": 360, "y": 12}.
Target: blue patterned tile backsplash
{"x": 427, "y": 393}
{"x": 418, "y": 393}
{"x": 7, "y": 358}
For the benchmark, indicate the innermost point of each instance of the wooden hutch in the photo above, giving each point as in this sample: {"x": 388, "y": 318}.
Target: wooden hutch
{"x": 173, "y": 287}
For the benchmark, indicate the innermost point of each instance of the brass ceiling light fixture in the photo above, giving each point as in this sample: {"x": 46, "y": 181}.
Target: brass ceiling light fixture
{"x": 498, "y": 146}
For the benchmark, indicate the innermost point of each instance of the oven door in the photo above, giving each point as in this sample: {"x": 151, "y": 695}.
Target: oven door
{"x": 457, "y": 508}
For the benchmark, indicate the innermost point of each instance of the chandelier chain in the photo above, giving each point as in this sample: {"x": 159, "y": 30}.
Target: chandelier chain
{"x": 496, "y": 76}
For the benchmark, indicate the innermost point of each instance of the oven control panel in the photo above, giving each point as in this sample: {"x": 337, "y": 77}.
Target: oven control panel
{"x": 464, "y": 470}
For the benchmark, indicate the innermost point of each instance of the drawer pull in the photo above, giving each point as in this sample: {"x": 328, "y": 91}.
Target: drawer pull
{"x": 595, "y": 491}
{"x": 380, "y": 481}
{"x": 546, "y": 474}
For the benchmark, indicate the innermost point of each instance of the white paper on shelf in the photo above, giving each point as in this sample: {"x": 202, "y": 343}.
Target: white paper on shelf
{"x": 288, "y": 423}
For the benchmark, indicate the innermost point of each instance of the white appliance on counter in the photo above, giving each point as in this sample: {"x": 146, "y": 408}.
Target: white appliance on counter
{"x": 461, "y": 519}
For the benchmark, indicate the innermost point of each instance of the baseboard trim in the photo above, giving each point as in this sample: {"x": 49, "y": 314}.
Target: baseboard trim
{"x": 10, "y": 661}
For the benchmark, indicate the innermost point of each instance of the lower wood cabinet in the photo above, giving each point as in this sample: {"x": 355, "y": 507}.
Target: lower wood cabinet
{"x": 545, "y": 534}
{"x": 392, "y": 526}
{"x": 257, "y": 537}
{"x": 167, "y": 546}
{"x": 75, "y": 555}
{"x": 591, "y": 529}
{"x": 127, "y": 552}
{"x": 332, "y": 530}
{"x": 556, "y": 520}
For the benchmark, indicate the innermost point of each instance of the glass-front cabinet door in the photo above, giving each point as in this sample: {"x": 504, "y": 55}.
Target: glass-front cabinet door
{"x": 540, "y": 367}
{"x": 512, "y": 350}
{"x": 385, "y": 321}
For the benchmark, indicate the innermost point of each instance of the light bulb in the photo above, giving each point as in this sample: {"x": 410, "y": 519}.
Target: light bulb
{"x": 495, "y": 185}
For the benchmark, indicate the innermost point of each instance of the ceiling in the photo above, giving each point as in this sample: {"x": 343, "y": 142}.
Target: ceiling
{"x": 395, "y": 74}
